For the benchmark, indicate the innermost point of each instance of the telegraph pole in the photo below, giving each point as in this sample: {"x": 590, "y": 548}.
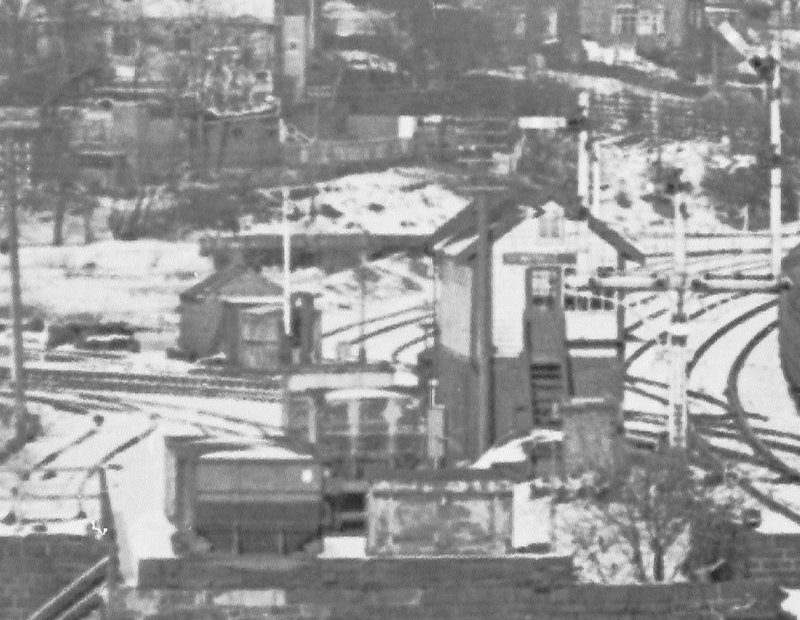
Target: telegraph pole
{"x": 16, "y": 159}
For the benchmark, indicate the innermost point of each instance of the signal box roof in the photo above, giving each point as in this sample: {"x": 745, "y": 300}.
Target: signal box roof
{"x": 458, "y": 237}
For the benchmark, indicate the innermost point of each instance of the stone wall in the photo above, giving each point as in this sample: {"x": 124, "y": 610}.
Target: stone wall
{"x": 35, "y": 567}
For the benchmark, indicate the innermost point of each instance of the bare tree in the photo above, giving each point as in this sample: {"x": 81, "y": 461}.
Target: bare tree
{"x": 663, "y": 518}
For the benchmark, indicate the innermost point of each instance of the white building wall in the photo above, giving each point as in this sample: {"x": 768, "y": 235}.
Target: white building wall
{"x": 454, "y": 306}
{"x": 537, "y": 236}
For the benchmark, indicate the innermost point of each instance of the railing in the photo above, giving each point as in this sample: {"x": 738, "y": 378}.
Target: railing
{"x": 78, "y": 598}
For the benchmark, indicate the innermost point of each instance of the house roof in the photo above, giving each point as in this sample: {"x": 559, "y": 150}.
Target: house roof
{"x": 458, "y": 238}
{"x": 262, "y": 11}
{"x": 215, "y": 282}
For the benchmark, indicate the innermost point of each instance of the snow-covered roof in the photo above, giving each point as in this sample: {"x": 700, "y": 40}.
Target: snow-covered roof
{"x": 457, "y": 239}
{"x": 514, "y": 450}
{"x": 257, "y": 453}
{"x": 266, "y": 301}
{"x": 257, "y": 10}
{"x": 362, "y": 394}
{"x": 398, "y": 201}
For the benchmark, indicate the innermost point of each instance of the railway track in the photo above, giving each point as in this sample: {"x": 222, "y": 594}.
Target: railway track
{"x": 730, "y": 436}
{"x": 240, "y": 388}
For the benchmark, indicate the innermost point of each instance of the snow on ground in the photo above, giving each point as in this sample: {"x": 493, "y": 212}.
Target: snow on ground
{"x": 395, "y": 202}
{"x": 59, "y": 428}
{"x": 625, "y": 170}
{"x": 346, "y": 19}
{"x": 137, "y": 499}
{"x": 711, "y": 373}
{"x": 792, "y": 603}
{"x": 763, "y": 388}
{"x": 224, "y": 412}
{"x": 134, "y": 281}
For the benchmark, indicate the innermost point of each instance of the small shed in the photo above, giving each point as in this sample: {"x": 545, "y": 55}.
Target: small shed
{"x": 252, "y": 332}
{"x": 202, "y": 328}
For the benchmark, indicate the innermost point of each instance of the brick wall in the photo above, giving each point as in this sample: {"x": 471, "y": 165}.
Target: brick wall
{"x": 34, "y": 568}
{"x": 464, "y": 588}
{"x": 775, "y": 556}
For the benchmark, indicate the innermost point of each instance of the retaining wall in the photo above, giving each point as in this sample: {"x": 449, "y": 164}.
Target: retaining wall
{"x": 34, "y": 568}
{"x": 427, "y": 589}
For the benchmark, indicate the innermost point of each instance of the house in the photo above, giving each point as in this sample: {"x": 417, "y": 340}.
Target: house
{"x": 648, "y": 24}
{"x": 551, "y": 339}
{"x": 202, "y": 310}
{"x": 528, "y": 27}
{"x": 244, "y": 46}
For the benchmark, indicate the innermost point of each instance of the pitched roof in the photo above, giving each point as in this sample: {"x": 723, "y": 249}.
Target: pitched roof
{"x": 218, "y": 279}
{"x": 458, "y": 237}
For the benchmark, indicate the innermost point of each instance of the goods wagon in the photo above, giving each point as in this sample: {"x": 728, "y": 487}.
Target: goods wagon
{"x": 244, "y": 497}
{"x": 789, "y": 323}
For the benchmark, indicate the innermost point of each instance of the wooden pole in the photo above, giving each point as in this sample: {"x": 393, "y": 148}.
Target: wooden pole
{"x": 776, "y": 178}
{"x": 485, "y": 429}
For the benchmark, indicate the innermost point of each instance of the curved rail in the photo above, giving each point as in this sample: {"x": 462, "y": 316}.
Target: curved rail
{"x": 740, "y": 415}
{"x": 763, "y": 447}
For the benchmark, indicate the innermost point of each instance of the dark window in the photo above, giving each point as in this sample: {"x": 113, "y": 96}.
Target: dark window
{"x": 624, "y": 20}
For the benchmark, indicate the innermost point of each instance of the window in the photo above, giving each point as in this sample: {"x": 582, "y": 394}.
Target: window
{"x": 550, "y": 226}
{"x": 650, "y": 22}
{"x": 124, "y": 40}
{"x": 542, "y": 289}
{"x": 623, "y": 22}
